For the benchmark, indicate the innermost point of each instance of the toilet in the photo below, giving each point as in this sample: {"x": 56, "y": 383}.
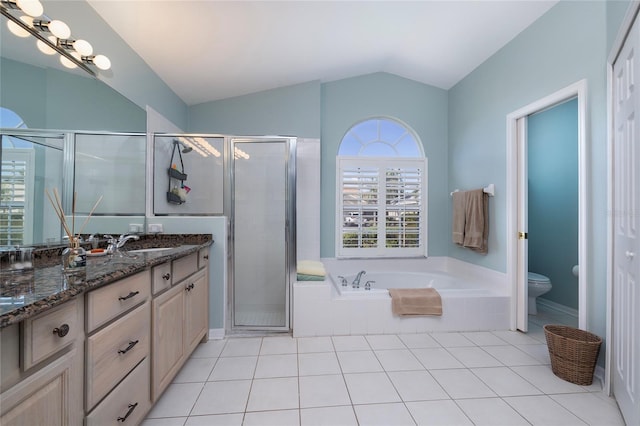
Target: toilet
{"x": 538, "y": 285}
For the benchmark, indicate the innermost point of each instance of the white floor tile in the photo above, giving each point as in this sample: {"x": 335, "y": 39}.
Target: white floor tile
{"x": 461, "y": 383}
{"x": 511, "y": 356}
{"x": 313, "y": 364}
{"x": 210, "y": 349}
{"x": 491, "y": 412}
{"x": 177, "y": 400}
{"x": 441, "y": 413}
{"x": 195, "y": 370}
{"x": 385, "y": 341}
{"x": 484, "y": 338}
{"x": 417, "y": 386}
{"x": 167, "y": 421}
{"x": 539, "y": 352}
{"x": 274, "y": 394}
{"x": 272, "y": 418}
{"x": 398, "y": 360}
{"x": 278, "y": 346}
{"x": 419, "y": 340}
{"x": 323, "y": 391}
{"x": 277, "y": 366}
{"x": 370, "y": 388}
{"x": 359, "y": 362}
{"x": 590, "y": 408}
{"x": 350, "y": 343}
{"x": 436, "y": 358}
{"x": 222, "y": 398}
{"x": 515, "y": 337}
{"x": 543, "y": 378}
{"x": 542, "y": 410}
{"x": 234, "y": 368}
{"x": 242, "y": 347}
{"x": 216, "y": 420}
{"x": 504, "y": 382}
{"x": 383, "y": 415}
{"x": 452, "y": 340}
{"x": 328, "y": 416}
{"x": 473, "y": 356}
{"x": 315, "y": 344}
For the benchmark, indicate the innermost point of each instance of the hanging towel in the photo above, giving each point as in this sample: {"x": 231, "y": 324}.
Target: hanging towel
{"x": 471, "y": 220}
{"x": 415, "y": 301}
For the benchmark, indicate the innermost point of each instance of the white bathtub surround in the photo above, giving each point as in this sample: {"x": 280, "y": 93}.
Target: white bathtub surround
{"x": 478, "y": 301}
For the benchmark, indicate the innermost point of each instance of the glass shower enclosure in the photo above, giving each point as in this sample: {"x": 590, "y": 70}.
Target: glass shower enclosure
{"x": 263, "y": 231}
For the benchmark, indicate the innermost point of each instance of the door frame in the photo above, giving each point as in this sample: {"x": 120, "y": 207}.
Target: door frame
{"x": 515, "y": 201}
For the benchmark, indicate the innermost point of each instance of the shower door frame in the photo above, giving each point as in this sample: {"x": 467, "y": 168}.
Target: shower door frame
{"x": 290, "y": 227}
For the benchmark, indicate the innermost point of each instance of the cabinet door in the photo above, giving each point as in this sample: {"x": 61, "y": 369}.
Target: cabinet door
{"x": 168, "y": 338}
{"x": 196, "y": 310}
{"x": 50, "y": 397}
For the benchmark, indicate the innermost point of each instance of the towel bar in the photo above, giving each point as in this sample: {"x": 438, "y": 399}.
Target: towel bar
{"x": 489, "y": 189}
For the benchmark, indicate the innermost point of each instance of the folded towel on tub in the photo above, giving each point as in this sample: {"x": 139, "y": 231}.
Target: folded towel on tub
{"x": 415, "y": 301}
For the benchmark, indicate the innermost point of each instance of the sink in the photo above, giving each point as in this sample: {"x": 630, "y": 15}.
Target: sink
{"x": 150, "y": 250}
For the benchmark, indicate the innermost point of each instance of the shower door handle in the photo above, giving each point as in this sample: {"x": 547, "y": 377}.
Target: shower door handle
{"x": 629, "y": 254}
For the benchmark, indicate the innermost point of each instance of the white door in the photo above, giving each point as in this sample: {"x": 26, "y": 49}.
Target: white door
{"x": 626, "y": 220}
{"x": 523, "y": 225}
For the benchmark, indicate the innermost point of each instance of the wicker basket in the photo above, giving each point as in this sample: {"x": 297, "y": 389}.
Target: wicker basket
{"x": 573, "y": 353}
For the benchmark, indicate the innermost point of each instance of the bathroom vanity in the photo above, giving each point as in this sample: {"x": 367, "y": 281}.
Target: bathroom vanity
{"x": 101, "y": 348}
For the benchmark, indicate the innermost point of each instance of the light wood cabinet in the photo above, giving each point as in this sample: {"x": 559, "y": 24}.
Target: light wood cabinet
{"x": 179, "y": 322}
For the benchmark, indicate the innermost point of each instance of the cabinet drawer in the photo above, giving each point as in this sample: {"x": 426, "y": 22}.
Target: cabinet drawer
{"x": 128, "y": 403}
{"x": 46, "y": 334}
{"x": 184, "y": 267}
{"x": 112, "y": 300}
{"x": 203, "y": 257}
{"x": 161, "y": 277}
{"x": 115, "y": 350}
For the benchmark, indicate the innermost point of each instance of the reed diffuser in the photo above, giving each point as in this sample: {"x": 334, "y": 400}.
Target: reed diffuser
{"x": 74, "y": 257}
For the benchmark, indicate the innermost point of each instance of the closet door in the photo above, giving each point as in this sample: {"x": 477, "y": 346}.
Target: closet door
{"x": 626, "y": 222}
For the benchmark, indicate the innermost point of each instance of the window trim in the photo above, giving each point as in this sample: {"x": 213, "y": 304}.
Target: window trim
{"x": 382, "y": 163}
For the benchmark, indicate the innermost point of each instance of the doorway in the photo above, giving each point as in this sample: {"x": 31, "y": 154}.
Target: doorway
{"x": 262, "y": 223}
{"x": 517, "y": 202}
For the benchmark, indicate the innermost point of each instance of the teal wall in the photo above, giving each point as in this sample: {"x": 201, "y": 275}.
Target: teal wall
{"x": 46, "y": 98}
{"x": 423, "y": 108}
{"x": 288, "y": 111}
{"x": 616, "y": 10}
{"x": 552, "y": 147}
{"x": 565, "y": 45}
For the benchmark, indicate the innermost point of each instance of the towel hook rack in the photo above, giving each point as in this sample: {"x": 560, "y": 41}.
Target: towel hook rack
{"x": 489, "y": 189}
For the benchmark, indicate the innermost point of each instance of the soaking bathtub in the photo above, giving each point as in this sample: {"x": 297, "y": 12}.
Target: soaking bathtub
{"x": 473, "y": 298}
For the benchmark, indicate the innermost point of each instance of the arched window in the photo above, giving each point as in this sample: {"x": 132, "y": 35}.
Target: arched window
{"x": 381, "y": 187}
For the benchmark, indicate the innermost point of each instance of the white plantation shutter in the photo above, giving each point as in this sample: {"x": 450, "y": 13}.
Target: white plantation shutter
{"x": 381, "y": 207}
{"x": 13, "y": 191}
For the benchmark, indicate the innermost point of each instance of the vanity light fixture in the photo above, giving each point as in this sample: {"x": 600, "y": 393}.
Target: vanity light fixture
{"x": 54, "y": 36}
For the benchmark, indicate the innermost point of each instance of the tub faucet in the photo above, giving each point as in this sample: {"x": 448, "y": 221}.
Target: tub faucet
{"x": 356, "y": 281}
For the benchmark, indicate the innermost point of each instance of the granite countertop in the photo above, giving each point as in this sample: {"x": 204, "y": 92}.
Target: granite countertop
{"x": 25, "y": 294}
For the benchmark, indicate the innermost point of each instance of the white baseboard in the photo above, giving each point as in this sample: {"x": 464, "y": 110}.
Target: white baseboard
{"x": 599, "y": 374}
{"x": 216, "y": 333}
{"x": 558, "y": 307}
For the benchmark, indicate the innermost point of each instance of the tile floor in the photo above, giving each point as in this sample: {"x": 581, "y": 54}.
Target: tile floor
{"x": 478, "y": 378}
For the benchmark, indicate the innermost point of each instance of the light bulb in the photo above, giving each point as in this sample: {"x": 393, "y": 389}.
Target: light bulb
{"x": 45, "y": 48}
{"x": 17, "y": 30}
{"x": 59, "y": 29}
{"x": 31, "y": 7}
{"x": 102, "y": 62}
{"x": 68, "y": 63}
{"x": 83, "y": 47}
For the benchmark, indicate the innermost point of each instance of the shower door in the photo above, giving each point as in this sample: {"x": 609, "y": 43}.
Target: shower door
{"x": 262, "y": 220}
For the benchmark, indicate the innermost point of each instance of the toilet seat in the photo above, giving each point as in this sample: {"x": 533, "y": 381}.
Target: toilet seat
{"x": 535, "y": 278}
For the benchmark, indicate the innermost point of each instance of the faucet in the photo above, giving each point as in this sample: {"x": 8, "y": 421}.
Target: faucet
{"x": 115, "y": 244}
{"x": 356, "y": 281}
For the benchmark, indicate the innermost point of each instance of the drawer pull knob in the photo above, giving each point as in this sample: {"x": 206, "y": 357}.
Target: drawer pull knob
{"x": 131, "y": 408}
{"x": 128, "y": 348}
{"x": 61, "y": 331}
{"x": 166, "y": 276}
{"x": 190, "y": 287}
{"x": 129, "y": 296}
{"x": 206, "y": 256}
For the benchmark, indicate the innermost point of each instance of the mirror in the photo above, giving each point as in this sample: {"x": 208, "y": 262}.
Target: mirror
{"x": 29, "y": 165}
